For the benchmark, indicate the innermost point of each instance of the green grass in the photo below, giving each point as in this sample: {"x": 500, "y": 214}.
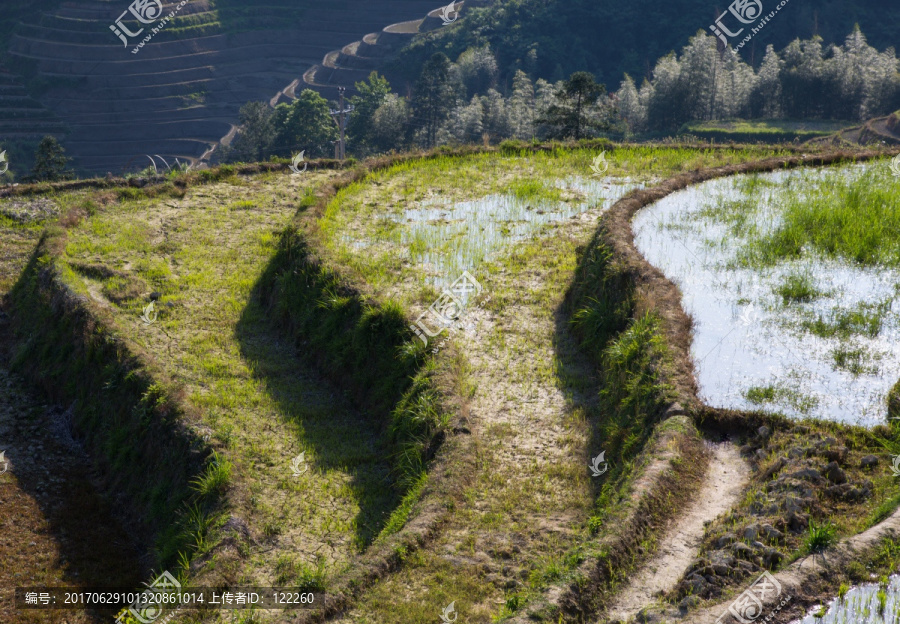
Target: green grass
{"x": 853, "y": 360}
{"x": 534, "y": 190}
{"x": 855, "y": 218}
{"x": 258, "y": 402}
{"x": 780, "y": 393}
{"x": 865, "y": 319}
{"x": 798, "y": 288}
{"x": 819, "y": 536}
{"x": 763, "y": 130}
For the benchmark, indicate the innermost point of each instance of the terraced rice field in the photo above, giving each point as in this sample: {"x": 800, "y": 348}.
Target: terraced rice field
{"x": 272, "y": 419}
{"x": 810, "y": 332}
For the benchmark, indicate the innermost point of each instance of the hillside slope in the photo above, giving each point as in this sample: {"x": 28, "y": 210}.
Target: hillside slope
{"x": 180, "y": 93}
{"x": 551, "y": 38}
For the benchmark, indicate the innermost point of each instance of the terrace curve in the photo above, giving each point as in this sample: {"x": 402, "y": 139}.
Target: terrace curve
{"x": 180, "y": 94}
{"x": 352, "y": 63}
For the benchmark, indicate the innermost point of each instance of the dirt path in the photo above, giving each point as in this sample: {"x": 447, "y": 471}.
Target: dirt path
{"x": 531, "y": 495}
{"x": 725, "y": 479}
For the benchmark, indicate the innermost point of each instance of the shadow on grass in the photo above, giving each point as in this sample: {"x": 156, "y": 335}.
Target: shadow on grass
{"x": 343, "y": 437}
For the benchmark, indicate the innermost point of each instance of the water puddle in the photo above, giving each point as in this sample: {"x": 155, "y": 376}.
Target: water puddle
{"x": 834, "y": 355}
{"x": 867, "y": 604}
{"x": 447, "y": 238}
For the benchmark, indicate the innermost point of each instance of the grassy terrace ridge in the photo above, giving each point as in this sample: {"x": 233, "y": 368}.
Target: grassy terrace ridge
{"x": 531, "y": 515}
{"x": 763, "y": 131}
{"x": 50, "y": 503}
{"x": 813, "y": 482}
{"x": 283, "y": 310}
{"x": 227, "y": 368}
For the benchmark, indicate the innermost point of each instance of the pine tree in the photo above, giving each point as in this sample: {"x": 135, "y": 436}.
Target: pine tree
{"x": 496, "y": 122}
{"x": 570, "y": 114}
{"x": 433, "y": 97}
{"x": 50, "y": 162}
{"x": 667, "y": 95}
{"x": 630, "y": 107}
{"x": 521, "y": 107}
{"x": 765, "y": 99}
{"x": 804, "y": 84}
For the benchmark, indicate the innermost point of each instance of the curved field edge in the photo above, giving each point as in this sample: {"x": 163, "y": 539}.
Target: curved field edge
{"x": 133, "y": 419}
{"x": 650, "y": 400}
{"x": 136, "y": 421}
{"x": 365, "y": 345}
{"x": 615, "y": 298}
{"x": 612, "y": 266}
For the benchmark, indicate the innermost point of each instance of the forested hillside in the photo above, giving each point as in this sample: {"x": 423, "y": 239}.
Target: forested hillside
{"x": 552, "y": 38}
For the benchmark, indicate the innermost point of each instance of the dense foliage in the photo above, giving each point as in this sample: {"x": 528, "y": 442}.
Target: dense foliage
{"x": 462, "y": 102}
{"x": 551, "y": 39}
{"x": 805, "y": 81}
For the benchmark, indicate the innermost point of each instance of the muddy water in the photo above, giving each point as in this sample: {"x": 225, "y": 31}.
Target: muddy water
{"x": 861, "y": 605}
{"x": 746, "y": 338}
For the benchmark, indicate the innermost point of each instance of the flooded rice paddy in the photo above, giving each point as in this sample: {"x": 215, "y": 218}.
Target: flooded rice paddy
{"x": 871, "y": 603}
{"x": 445, "y": 237}
{"x": 812, "y": 336}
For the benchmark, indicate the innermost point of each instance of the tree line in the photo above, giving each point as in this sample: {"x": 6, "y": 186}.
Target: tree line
{"x": 465, "y": 102}
{"x": 451, "y": 102}
{"x": 851, "y": 82}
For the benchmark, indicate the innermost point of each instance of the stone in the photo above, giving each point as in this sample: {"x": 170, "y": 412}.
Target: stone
{"x": 771, "y": 533}
{"x": 807, "y": 474}
{"x": 797, "y": 522}
{"x": 868, "y": 462}
{"x": 751, "y": 532}
{"x": 763, "y": 432}
{"x": 689, "y": 602}
{"x": 726, "y": 540}
{"x": 834, "y": 473}
{"x": 742, "y": 551}
{"x": 837, "y": 454}
{"x": 692, "y": 585}
{"x": 772, "y": 557}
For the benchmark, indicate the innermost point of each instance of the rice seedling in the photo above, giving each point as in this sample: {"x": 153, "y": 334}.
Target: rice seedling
{"x": 819, "y": 536}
